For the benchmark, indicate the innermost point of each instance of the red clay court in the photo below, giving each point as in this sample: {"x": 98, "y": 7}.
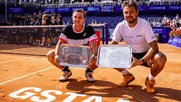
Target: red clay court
{"x": 27, "y": 76}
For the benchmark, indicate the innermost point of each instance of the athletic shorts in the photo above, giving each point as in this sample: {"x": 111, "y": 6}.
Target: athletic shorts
{"x": 139, "y": 56}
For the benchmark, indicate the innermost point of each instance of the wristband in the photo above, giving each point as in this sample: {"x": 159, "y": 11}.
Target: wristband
{"x": 143, "y": 61}
{"x": 94, "y": 56}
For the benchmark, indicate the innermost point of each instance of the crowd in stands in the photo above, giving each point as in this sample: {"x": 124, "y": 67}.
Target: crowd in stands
{"x": 39, "y": 36}
{"x": 49, "y": 36}
{"x": 42, "y": 38}
{"x": 75, "y": 3}
{"x": 176, "y": 26}
{"x": 109, "y": 2}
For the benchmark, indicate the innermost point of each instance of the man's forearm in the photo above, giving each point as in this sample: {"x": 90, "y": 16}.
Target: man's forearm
{"x": 94, "y": 48}
{"x": 152, "y": 51}
{"x": 57, "y": 48}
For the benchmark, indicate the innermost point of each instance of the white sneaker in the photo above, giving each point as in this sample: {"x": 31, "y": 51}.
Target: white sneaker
{"x": 65, "y": 75}
{"x": 89, "y": 77}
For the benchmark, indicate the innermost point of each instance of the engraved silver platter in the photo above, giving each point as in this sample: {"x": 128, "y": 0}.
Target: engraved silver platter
{"x": 74, "y": 55}
{"x": 114, "y": 56}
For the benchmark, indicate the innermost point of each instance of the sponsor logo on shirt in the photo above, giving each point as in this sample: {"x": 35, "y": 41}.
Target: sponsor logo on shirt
{"x": 85, "y": 34}
{"x": 138, "y": 35}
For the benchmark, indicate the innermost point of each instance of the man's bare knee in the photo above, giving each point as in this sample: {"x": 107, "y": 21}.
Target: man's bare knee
{"x": 160, "y": 59}
{"x": 51, "y": 55}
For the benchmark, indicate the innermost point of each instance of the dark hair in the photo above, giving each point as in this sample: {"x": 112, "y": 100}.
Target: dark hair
{"x": 130, "y": 3}
{"x": 80, "y": 11}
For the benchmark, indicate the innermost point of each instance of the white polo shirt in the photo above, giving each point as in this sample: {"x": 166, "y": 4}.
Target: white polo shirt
{"x": 138, "y": 36}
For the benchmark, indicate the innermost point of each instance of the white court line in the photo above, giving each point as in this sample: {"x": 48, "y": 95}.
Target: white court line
{"x": 25, "y": 75}
{"x": 14, "y": 60}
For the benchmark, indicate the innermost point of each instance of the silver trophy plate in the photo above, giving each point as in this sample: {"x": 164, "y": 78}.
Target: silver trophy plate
{"x": 74, "y": 55}
{"x": 114, "y": 56}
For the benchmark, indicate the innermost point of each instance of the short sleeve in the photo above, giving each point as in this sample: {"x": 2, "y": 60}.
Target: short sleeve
{"x": 63, "y": 35}
{"x": 149, "y": 35}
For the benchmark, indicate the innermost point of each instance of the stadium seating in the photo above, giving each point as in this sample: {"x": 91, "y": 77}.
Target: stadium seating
{"x": 110, "y": 18}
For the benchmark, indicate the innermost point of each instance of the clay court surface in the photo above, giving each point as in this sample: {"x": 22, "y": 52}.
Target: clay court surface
{"x": 27, "y": 77}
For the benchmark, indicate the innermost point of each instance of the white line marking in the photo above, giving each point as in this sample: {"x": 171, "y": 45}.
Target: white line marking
{"x": 25, "y": 75}
{"x": 14, "y": 60}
